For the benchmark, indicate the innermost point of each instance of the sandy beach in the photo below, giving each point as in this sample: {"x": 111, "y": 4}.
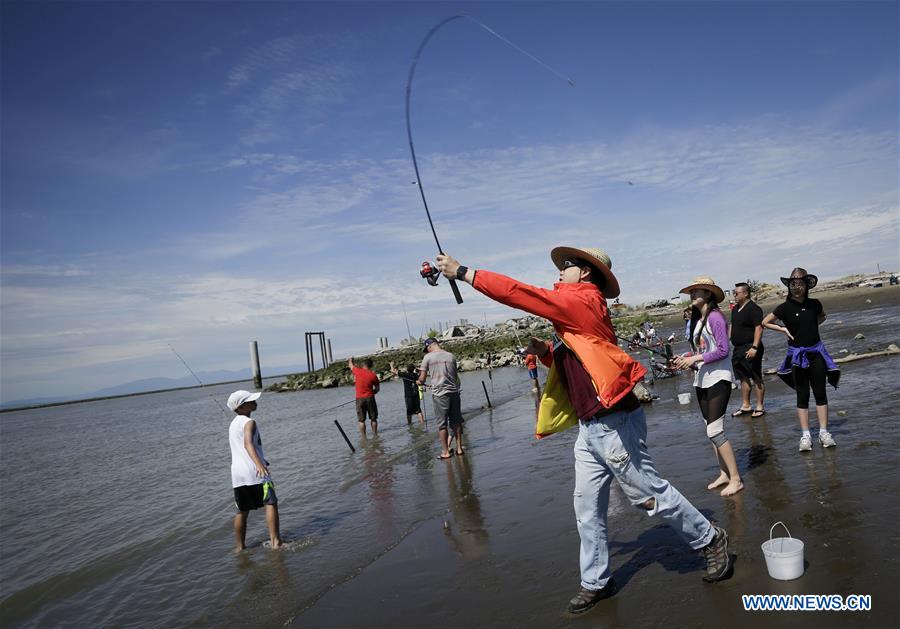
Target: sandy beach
{"x": 505, "y": 551}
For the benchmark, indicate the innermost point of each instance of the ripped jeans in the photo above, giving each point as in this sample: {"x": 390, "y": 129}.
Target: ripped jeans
{"x": 614, "y": 446}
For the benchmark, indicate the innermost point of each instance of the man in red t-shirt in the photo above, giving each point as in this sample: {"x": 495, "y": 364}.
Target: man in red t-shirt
{"x": 531, "y": 366}
{"x": 367, "y": 385}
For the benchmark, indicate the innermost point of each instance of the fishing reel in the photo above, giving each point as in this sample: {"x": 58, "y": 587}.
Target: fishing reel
{"x": 429, "y": 273}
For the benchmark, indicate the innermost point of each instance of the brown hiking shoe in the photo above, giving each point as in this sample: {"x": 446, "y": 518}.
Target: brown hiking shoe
{"x": 718, "y": 561}
{"x": 585, "y": 599}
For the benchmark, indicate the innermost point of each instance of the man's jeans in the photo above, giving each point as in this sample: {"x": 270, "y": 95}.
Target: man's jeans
{"x": 614, "y": 446}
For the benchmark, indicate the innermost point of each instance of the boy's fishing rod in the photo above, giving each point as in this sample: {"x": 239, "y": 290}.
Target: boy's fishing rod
{"x": 412, "y": 148}
{"x": 200, "y": 382}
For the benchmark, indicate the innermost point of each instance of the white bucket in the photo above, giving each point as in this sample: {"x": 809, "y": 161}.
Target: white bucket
{"x": 684, "y": 398}
{"x": 784, "y": 555}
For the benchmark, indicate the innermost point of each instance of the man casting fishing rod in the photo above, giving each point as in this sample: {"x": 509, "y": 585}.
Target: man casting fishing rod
{"x": 590, "y": 385}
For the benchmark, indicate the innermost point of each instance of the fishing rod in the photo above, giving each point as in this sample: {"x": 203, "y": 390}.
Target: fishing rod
{"x": 408, "y": 332}
{"x": 518, "y": 340}
{"x": 200, "y": 382}
{"x": 646, "y": 347}
{"x": 412, "y": 148}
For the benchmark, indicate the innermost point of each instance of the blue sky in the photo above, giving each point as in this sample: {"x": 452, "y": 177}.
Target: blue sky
{"x": 206, "y": 174}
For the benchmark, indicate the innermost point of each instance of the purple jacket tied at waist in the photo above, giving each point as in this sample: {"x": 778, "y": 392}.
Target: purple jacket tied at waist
{"x": 797, "y": 357}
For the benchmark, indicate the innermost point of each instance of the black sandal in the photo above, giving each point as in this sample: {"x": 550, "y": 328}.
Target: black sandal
{"x": 742, "y": 411}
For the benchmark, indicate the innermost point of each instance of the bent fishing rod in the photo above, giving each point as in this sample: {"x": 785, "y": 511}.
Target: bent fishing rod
{"x": 412, "y": 147}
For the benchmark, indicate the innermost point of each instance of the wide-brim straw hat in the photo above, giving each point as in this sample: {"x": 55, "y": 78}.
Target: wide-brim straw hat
{"x": 706, "y": 283}
{"x": 596, "y": 258}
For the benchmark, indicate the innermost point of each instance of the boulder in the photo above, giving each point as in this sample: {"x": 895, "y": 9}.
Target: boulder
{"x": 893, "y": 348}
{"x": 858, "y": 337}
{"x": 467, "y": 364}
{"x": 328, "y": 383}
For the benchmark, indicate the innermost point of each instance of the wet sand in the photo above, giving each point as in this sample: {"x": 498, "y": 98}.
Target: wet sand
{"x": 506, "y": 551}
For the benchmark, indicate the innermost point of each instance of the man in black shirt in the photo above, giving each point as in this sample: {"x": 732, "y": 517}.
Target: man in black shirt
{"x": 745, "y": 332}
{"x": 410, "y": 392}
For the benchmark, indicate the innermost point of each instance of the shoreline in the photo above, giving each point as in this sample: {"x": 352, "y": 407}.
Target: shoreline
{"x": 828, "y": 292}
{"x": 472, "y": 352}
{"x": 30, "y": 407}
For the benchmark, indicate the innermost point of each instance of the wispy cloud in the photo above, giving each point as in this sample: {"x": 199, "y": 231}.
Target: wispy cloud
{"x": 37, "y": 271}
{"x": 658, "y": 174}
{"x": 289, "y": 80}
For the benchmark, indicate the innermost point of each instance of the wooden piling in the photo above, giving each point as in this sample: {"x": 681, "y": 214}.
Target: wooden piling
{"x": 484, "y": 386}
{"x": 254, "y": 364}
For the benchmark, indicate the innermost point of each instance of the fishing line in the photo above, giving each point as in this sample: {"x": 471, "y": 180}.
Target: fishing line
{"x": 412, "y": 148}
{"x": 200, "y": 382}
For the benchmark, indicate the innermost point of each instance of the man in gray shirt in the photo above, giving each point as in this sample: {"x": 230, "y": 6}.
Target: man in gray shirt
{"x": 440, "y": 366}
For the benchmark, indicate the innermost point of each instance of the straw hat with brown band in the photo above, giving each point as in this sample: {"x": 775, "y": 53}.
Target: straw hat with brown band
{"x": 800, "y": 274}
{"x": 706, "y": 283}
{"x": 595, "y": 258}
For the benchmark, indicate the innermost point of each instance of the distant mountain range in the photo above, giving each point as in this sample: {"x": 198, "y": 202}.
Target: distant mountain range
{"x": 153, "y": 384}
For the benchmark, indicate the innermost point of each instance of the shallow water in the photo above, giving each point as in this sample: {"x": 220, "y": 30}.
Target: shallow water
{"x": 118, "y": 512}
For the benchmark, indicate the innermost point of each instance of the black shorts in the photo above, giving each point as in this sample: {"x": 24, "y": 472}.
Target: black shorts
{"x": 413, "y": 405}
{"x": 248, "y": 497}
{"x": 740, "y": 363}
{"x": 366, "y": 406}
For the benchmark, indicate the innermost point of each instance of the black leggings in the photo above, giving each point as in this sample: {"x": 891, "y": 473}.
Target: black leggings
{"x": 714, "y": 400}
{"x": 814, "y": 376}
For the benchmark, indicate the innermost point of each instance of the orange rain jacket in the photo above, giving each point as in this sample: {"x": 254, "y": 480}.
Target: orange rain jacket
{"x": 580, "y": 317}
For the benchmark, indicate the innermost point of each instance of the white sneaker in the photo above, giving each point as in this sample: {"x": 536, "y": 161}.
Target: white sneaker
{"x": 826, "y": 440}
{"x": 806, "y": 444}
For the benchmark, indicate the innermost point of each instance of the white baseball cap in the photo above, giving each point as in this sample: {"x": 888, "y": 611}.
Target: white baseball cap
{"x": 239, "y": 397}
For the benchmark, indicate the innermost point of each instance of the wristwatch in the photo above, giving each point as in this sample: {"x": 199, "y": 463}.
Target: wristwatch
{"x": 461, "y": 273}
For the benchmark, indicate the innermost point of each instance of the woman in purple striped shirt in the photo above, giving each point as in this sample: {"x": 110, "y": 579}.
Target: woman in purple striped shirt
{"x": 711, "y": 362}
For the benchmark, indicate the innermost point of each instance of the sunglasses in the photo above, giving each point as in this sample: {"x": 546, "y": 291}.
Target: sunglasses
{"x": 568, "y": 264}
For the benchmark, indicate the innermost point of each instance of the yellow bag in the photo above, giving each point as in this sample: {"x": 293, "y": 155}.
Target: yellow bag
{"x": 556, "y": 412}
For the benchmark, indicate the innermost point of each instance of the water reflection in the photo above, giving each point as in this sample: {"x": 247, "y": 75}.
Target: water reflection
{"x": 467, "y": 535}
{"x": 263, "y": 570}
{"x": 421, "y": 449}
{"x": 380, "y": 477}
